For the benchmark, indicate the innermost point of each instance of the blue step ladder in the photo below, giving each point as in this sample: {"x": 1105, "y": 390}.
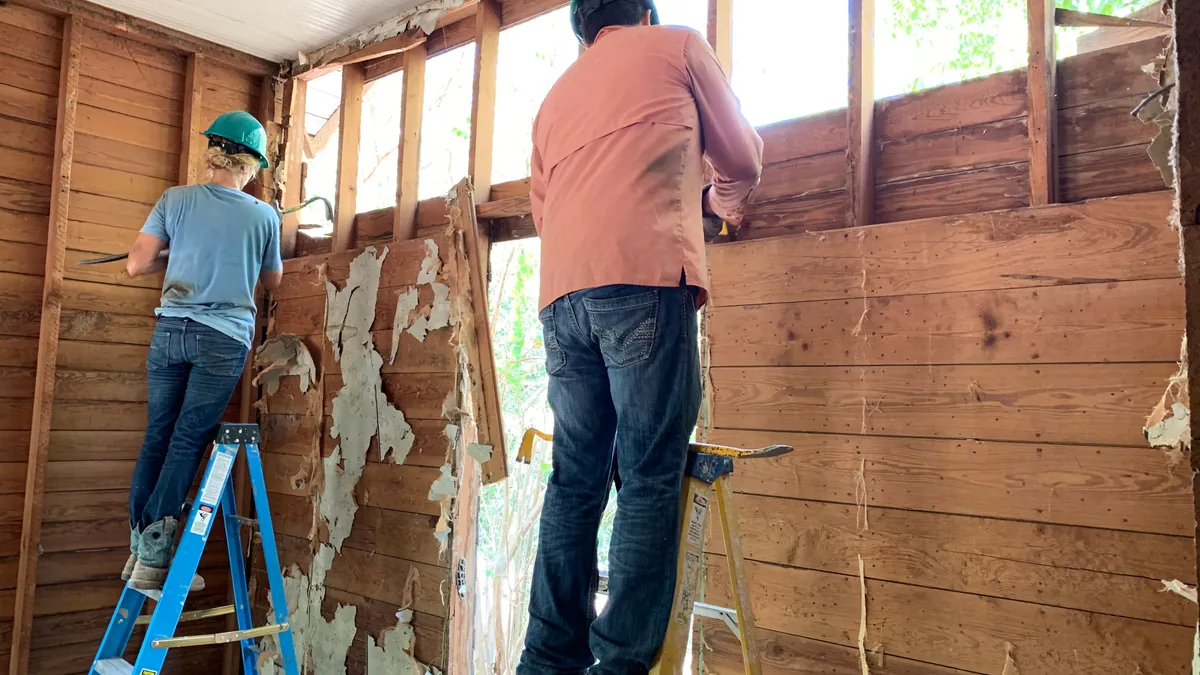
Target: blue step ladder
{"x": 216, "y": 493}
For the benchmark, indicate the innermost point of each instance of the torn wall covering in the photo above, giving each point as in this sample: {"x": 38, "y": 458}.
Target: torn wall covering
{"x": 424, "y": 17}
{"x": 361, "y": 411}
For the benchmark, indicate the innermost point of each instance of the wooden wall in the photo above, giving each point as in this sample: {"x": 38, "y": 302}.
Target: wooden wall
{"x": 392, "y": 537}
{"x": 987, "y": 378}
{"x": 964, "y": 148}
{"x": 128, "y": 142}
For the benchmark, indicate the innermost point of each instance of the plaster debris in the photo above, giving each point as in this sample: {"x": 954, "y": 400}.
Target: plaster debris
{"x": 431, "y": 265}
{"x": 1010, "y": 663}
{"x": 451, "y": 433}
{"x": 444, "y": 486}
{"x": 1169, "y": 424}
{"x": 284, "y": 355}
{"x": 862, "y": 620}
{"x": 1159, "y": 109}
{"x": 322, "y": 644}
{"x": 348, "y": 322}
{"x": 394, "y": 653}
{"x": 443, "y": 491}
{"x": 1179, "y": 588}
{"x": 405, "y": 304}
{"x": 482, "y": 453}
{"x": 424, "y": 17}
{"x": 360, "y": 409}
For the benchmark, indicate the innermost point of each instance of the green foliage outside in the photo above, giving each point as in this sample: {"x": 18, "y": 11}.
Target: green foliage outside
{"x": 973, "y": 38}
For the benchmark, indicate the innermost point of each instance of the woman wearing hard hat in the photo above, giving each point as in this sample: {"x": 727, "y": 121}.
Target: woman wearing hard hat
{"x": 222, "y": 242}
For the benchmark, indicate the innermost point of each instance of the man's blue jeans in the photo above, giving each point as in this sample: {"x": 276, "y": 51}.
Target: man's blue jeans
{"x": 625, "y": 391}
{"x": 191, "y": 372}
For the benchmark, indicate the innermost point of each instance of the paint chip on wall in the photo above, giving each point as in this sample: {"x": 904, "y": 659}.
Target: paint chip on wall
{"x": 284, "y": 355}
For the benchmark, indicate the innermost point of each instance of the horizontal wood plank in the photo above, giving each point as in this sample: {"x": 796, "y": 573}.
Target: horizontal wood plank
{"x": 1121, "y": 238}
{"x": 1103, "y": 404}
{"x": 978, "y": 101}
{"x": 1124, "y": 321}
{"x": 936, "y": 624}
{"x": 998, "y": 558}
{"x": 960, "y": 193}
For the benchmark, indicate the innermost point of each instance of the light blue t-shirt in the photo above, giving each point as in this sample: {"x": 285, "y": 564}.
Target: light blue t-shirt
{"x": 220, "y": 240}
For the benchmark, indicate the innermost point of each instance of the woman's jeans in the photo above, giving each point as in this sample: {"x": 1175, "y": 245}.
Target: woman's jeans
{"x": 191, "y": 373}
{"x": 625, "y": 391}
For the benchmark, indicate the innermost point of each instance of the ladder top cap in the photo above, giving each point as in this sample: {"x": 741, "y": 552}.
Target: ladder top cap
{"x": 236, "y": 434}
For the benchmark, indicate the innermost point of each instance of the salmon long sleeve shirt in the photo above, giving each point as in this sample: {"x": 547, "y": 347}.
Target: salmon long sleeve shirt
{"x": 618, "y": 162}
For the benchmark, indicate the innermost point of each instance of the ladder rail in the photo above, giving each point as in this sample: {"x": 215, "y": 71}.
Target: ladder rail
{"x": 237, "y": 570}
{"x": 215, "y": 497}
{"x": 266, "y": 530}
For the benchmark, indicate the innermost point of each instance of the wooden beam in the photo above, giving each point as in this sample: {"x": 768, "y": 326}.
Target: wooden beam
{"x": 404, "y": 224}
{"x": 47, "y": 359}
{"x": 720, "y": 32}
{"x": 269, "y": 115}
{"x": 191, "y": 148}
{"x": 295, "y": 101}
{"x": 349, "y": 130}
{"x": 343, "y": 55}
{"x": 376, "y": 42}
{"x": 1187, "y": 198}
{"x": 860, "y": 115}
{"x": 1043, "y": 158}
{"x": 146, "y": 31}
{"x": 483, "y": 105}
{"x": 1070, "y": 17}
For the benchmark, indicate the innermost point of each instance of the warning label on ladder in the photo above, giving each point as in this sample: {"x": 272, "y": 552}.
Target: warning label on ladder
{"x": 222, "y": 462}
{"x": 696, "y": 520}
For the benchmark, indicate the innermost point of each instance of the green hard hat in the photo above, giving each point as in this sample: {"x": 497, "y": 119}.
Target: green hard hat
{"x": 241, "y": 129}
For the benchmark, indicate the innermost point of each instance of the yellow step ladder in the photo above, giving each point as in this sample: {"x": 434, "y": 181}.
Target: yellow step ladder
{"x": 706, "y": 479}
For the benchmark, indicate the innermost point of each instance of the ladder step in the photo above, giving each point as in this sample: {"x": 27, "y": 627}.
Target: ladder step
{"x": 219, "y": 638}
{"x": 114, "y": 667}
{"x": 194, "y": 615}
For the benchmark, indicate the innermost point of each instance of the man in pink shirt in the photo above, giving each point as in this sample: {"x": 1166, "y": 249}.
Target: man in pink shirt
{"x": 618, "y": 197}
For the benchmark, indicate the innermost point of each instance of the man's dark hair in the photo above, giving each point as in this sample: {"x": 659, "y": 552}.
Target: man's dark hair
{"x": 612, "y": 13}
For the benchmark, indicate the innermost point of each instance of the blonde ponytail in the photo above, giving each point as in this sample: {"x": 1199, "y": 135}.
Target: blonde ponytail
{"x": 243, "y": 166}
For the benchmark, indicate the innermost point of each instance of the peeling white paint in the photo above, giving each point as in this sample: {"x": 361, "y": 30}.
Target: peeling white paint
{"x": 424, "y": 17}
{"x": 284, "y": 355}
{"x": 406, "y": 302}
{"x": 444, "y": 486}
{"x": 321, "y": 645}
{"x": 431, "y": 265}
{"x": 360, "y": 409}
{"x": 1179, "y": 588}
{"x": 394, "y": 653}
{"x": 482, "y": 453}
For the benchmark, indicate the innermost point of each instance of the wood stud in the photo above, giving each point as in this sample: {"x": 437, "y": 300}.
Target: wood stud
{"x": 1043, "y": 106}
{"x": 860, "y": 112}
{"x": 349, "y": 133}
{"x": 47, "y": 359}
{"x": 483, "y": 106}
{"x": 295, "y": 101}
{"x": 404, "y": 224}
{"x": 191, "y": 147}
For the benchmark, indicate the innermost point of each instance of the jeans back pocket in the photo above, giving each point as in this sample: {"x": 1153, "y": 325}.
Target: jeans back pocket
{"x": 159, "y": 355}
{"x": 220, "y": 355}
{"x": 625, "y": 327}
{"x": 555, "y": 358}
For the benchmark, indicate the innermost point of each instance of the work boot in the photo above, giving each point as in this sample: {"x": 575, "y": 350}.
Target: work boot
{"x": 155, "y": 551}
{"x": 135, "y": 539}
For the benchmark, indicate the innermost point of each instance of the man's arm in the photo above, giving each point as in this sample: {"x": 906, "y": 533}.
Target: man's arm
{"x": 537, "y": 187}
{"x": 146, "y": 256}
{"x": 732, "y": 146}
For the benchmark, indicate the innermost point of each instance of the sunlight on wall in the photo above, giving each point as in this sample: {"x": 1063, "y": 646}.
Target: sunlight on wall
{"x": 380, "y": 139}
{"x": 533, "y": 55}
{"x": 446, "y": 123}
